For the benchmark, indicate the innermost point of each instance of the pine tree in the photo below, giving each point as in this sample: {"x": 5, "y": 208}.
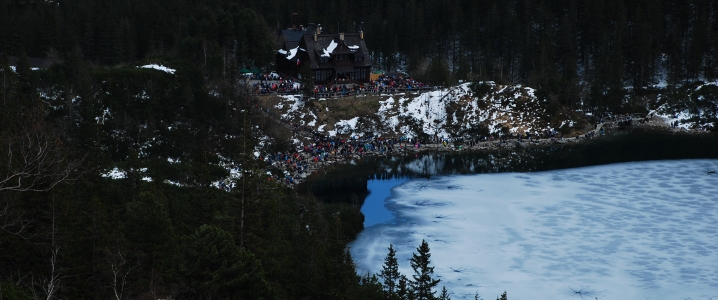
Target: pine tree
{"x": 423, "y": 284}
{"x": 390, "y": 272}
{"x": 212, "y": 264}
{"x": 444, "y": 294}
{"x": 503, "y": 296}
{"x": 403, "y": 290}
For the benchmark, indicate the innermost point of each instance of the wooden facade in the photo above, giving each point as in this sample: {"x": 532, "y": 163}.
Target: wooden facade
{"x": 329, "y": 57}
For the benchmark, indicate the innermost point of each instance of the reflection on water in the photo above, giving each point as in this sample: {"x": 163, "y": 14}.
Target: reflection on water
{"x": 348, "y": 182}
{"x": 374, "y": 209}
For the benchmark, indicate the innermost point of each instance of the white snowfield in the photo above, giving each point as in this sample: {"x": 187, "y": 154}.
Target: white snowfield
{"x": 646, "y": 230}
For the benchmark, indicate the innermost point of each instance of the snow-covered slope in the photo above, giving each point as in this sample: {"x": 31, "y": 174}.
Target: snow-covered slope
{"x": 485, "y": 108}
{"x": 450, "y": 112}
{"x": 693, "y": 106}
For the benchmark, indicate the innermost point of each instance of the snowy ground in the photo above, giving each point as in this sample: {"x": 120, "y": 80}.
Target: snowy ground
{"x": 458, "y": 110}
{"x": 445, "y": 112}
{"x": 643, "y": 230}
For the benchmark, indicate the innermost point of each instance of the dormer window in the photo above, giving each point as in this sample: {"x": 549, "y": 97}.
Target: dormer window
{"x": 358, "y": 58}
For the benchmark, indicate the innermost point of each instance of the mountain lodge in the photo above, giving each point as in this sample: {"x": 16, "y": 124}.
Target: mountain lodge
{"x": 330, "y": 57}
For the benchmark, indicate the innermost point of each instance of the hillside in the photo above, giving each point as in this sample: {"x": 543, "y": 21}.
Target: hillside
{"x": 477, "y": 110}
{"x": 141, "y": 161}
{"x": 136, "y": 164}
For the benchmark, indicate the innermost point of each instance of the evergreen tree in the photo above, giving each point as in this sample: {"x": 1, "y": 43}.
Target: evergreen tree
{"x": 390, "y": 272}
{"x": 370, "y": 287}
{"x": 444, "y": 294}
{"x": 403, "y": 290}
{"x": 503, "y": 297}
{"x": 423, "y": 284}
{"x": 213, "y": 265}
{"x": 148, "y": 226}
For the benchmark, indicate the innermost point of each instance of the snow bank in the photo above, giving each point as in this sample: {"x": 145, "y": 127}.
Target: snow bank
{"x": 159, "y": 67}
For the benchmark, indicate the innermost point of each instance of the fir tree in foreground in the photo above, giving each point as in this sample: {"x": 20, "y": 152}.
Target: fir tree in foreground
{"x": 503, "y": 297}
{"x": 390, "y": 272}
{"x": 423, "y": 284}
{"x": 444, "y": 294}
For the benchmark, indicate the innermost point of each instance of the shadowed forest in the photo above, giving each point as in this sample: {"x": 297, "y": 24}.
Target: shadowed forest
{"x": 67, "y": 232}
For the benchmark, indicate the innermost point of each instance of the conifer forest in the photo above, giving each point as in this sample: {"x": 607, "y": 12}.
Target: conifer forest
{"x": 68, "y": 232}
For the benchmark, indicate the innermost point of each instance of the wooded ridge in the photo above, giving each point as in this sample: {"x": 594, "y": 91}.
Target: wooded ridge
{"x": 150, "y": 91}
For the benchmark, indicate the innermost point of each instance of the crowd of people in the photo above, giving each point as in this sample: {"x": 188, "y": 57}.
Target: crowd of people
{"x": 323, "y": 149}
{"x": 307, "y": 158}
{"x": 274, "y": 83}
{"x": 383, "y": 84}
{"x": 394, "y": 83}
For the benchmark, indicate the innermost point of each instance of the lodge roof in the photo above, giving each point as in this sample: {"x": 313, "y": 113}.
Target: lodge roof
{"x": 306, "y": 44}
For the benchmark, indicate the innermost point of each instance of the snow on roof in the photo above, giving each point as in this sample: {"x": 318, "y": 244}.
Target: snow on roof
{"x": 333, "y": 45}
{"x": 159, "y": 67}
{"x": 292, "y": 53}
{"x": 282, "y": 51}
{"x": 355, "y": 47}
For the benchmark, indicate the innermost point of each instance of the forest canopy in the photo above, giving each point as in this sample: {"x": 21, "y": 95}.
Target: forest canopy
{"x": 563, "y": 47}
{"x": 69, "y": 231}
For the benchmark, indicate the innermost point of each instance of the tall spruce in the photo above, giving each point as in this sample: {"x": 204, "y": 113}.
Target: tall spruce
{"x": 390, "y": 272}
{"x": 423, "y": 284}
{"x": 403, "y": 290}
{"x": 444, "y": 294}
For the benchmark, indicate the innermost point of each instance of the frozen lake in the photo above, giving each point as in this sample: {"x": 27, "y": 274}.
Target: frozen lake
{"x": 645, "y": 230}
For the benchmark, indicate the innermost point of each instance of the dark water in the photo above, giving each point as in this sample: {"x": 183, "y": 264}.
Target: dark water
{"x": 374, "y": 210}
{"x": 348, "y": 182}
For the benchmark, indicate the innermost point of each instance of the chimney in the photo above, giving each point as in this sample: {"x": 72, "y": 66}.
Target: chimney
{"x": 315, "y": 36}
{"x": 301, "y": 27}
{"x": 319, "y": 28}
{"x": 341, "y": 36}
{"x": 361, "y": 34}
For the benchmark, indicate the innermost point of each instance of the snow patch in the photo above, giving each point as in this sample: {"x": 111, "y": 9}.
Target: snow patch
{"x": 159, "y": 67}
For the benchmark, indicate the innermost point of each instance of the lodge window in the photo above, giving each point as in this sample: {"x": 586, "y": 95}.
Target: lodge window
{"x": 360, "y": 73}
{"x": 359, "y": 58}
{"x": 341, "y": 57}
{"x": 321, "y": 75}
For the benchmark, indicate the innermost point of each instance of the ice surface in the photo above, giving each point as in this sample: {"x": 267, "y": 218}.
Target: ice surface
{"x": 643, "y": 230}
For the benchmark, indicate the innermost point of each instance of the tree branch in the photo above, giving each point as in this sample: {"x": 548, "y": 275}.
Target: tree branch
{"x": 35, "y": 155}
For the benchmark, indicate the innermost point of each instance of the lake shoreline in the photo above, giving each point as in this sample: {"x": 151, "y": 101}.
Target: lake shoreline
{"x": 404, "y": 149}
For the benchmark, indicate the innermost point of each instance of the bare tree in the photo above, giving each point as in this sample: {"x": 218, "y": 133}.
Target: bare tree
{"x": 11, "y": 220}
{"x": 49, "y": 285}
{"x": 120, "y": 269}
{"x": 34, "y": 155}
